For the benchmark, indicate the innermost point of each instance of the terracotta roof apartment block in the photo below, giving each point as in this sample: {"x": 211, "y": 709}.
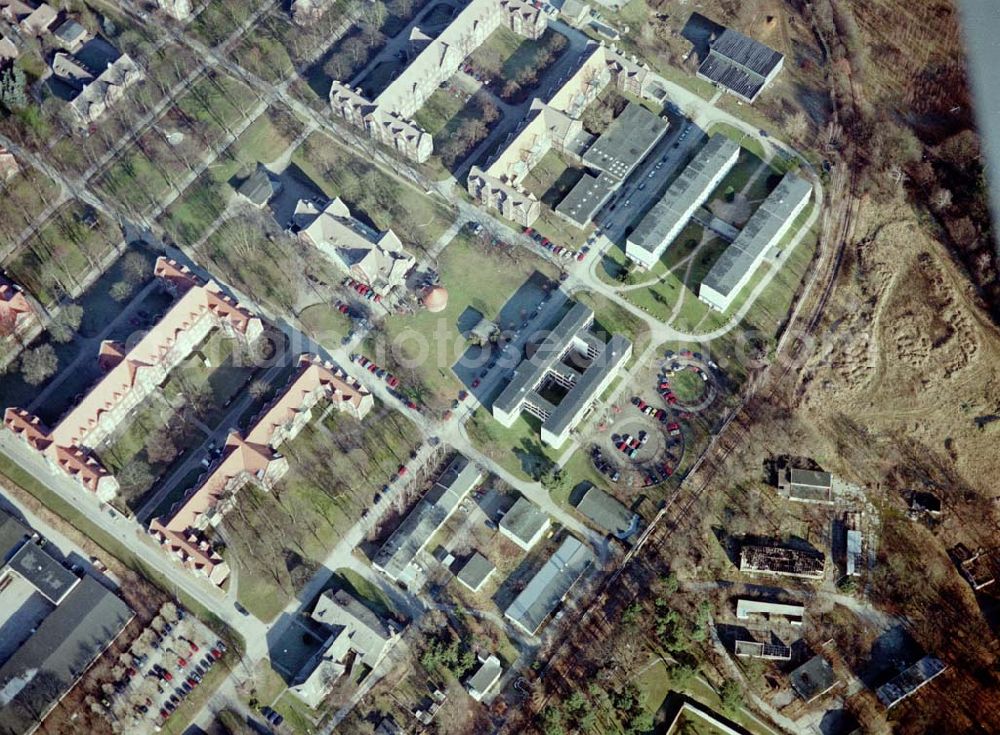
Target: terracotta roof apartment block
{"x": 254, "y": 458}
{"x": 132, "y": 377}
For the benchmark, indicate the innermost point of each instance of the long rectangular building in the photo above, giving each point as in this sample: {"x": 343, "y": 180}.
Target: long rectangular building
{"x": 550, "y": 585}
{"x": 398, "y": 555}
{"x": 253, "y": 457}
{"x": 772, "y": 220}
{"x": 570, "y": 340}
{"x": 688, "y": 191}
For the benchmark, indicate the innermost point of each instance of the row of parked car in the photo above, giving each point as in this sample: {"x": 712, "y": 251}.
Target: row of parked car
{"x": 558, "y": 250}
{"x": 363, "y": 290}
{"x": 391, "y": 380}
{"x": 192, "y": 671}
{"x": 603, "y": 465}
{"x": 629, "y": 445}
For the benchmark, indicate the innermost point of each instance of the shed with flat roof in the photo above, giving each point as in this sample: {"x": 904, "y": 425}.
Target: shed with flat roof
{"x": 586, "y": 198}
{"x": 476, "y": 571}
{"x": 626, "y": 141}
{"x": 740, "y": 65}
{"x": 765, "y": 229}
{"x": 607, "y": 513}
{"x": 49, "y": 663}
{"x": 813, "y": 679}
{"x": 525, "y": 523}
{"x": 48, "y": 576}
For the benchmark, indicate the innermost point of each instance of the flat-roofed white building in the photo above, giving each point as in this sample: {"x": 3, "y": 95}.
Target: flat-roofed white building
{"x": 525, "y": 523}
{"x": 765, "y": 229}
{"x": 572, "y": 357}
{"x": 689, "y": 190}
{"x": 746, "y": 608}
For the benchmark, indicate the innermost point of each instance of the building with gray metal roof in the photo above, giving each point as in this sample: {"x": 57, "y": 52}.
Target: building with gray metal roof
{"x": 586, "y": 198}
{"x": 398, "y": 555}
{"x": 13, "y": 534}
{"x": 607, "y": 513}
{"x": 550, "y": 585}
{"x": 626, "y": 141}
{"x": 740, "y": 65}
{"x": 571, "y": 357}
{"x": 476, "y": 571}
{"x": 682, "y": 198}
{"x": 48, "y": 576}
{"x": 48, "y": 664}
{"x": 524, "y": 523}
{"x": 765, "y": 229}
{"x": 813, "y": 678}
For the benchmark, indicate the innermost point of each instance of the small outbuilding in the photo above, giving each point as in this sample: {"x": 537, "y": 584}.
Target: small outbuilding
{"x": 525, "y": 523}
{"x": 475, "y": 572}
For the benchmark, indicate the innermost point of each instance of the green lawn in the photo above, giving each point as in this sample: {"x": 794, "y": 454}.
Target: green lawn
{"x": 439, "y": 108}
{"x": 468, "y": 271}
{"x": 655, "y": 684}
{"x": 190, "y": 216}
{"x": 22, "y": 199}
{"x": 418, "y": 219}
{"x": 748, "y": 142}
{"x": 613, "y": 319}
{"x": 552, "y": 178}
{"x": 56, "y": 260}
{"x": 517, "y": 449}
{"x": 325, "y": 323}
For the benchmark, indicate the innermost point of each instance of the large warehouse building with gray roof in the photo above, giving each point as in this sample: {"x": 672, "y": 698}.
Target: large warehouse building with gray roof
{"x": 55, "y": 625}
{"x": 772, "y": 220}
{"x": 740, "y": 65}
{"x": 688, "y": 191}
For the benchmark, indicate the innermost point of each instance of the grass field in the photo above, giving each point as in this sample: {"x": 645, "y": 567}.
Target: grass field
{"x": 149, "y": 169}
{"x": 552, "y": 178}
{"x": 468, "y": 271}
{"x": 190, "y": 216}
{"x": 57, "y": 259}
{"x": 22, "y": 199}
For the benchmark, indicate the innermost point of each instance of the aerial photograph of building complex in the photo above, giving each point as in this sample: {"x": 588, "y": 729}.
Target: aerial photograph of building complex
{"x": 515, "y": 367}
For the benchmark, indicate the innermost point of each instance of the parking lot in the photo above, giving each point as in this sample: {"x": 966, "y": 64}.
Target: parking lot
{"x": 165, "y": 663}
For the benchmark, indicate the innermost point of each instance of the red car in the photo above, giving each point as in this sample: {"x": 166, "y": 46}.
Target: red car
{"x": 182, "y": 662}
{"x": 641, "y": 405}
{"x": 216, "y": 653}
{"x": 670, "y": 398}
{"x": 412, "y": 405}
{"x": 401, "y": 472}
{"x": 372, "y": 367}
{"x": 164, "y": 714}
{"x": 475, "y": 383}
{"x": 528, "y": 231}
{"x": 580, "y": 256}
{"x": 392, "y": 380}
{"x": 673, "y": 426}
{"x": 167, "y": 676}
